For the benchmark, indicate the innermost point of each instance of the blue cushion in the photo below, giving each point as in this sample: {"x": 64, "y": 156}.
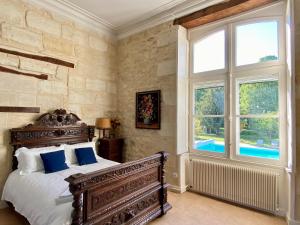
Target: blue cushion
{"x": 85, "y": 156}
{"x": 54, "y": 161}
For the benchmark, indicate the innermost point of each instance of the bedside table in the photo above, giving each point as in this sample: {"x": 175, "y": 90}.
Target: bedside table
{"x": 111, "y": 149}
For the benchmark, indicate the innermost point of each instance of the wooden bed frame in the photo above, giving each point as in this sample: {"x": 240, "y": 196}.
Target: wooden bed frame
{"x": 129, "y": 193}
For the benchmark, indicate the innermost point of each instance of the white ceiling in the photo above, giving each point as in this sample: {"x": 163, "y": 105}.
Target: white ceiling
{"x": 119, "y": 13}
{"x": 121, "y": 18}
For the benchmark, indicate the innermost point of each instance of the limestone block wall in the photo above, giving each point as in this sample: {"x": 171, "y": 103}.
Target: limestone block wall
{"x": 147, "y": 61}
{"x": 297, "y": 52}
{"x": 89, "y": 90}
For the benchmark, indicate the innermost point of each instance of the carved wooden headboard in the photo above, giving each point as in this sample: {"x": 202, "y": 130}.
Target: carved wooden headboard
{"x": 55, "y": 128}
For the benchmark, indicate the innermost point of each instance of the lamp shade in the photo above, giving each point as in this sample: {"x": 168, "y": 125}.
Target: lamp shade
{"x": 103, "y": 123}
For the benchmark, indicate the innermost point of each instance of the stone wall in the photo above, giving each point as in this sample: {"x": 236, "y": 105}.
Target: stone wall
{"x": 147, "y": 61}
{"x": 89, "y": 90}
{"x": 297, "y": 51}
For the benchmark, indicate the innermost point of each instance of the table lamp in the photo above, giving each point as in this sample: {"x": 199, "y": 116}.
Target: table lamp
{"x": 103, "y": 124}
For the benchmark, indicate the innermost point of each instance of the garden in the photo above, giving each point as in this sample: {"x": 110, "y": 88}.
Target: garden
{"x": 258, "y": 113}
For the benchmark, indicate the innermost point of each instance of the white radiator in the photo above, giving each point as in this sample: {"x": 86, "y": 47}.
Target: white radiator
{"x": 246, "y": 186}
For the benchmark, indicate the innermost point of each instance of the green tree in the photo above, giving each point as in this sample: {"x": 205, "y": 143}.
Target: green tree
{"x": 268, "y": 58}
{"x": 260, "y": 98}
{"x": 210, "y": 101}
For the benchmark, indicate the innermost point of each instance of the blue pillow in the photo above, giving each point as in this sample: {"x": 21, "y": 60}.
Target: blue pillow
{"x": 85, "y": 156}
{"x": 54, "y": 161}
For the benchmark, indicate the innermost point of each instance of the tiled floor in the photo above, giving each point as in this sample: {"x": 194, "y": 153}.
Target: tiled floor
{"x": 193, "y": 209}
{"x": 189, "y": 209}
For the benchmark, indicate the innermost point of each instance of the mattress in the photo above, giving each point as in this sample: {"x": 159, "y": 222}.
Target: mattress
{"x": 44, "y": 199}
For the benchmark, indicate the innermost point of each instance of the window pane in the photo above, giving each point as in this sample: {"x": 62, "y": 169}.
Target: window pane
{"x": 209, "y": 53}
{"x": 209, "y": 101}
{"x": 259, "y": 137}
{"x": 209, "y": 134}
{"x": 259, "y": 98}
{"x": 257, "y": 42}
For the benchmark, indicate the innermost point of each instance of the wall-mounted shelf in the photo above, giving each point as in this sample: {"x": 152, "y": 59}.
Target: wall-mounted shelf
{"x": 34, "y": 57}
{"x": 39, "y": 57}
{"x": 8, "y": 70}
{"x": 19, "y": 109}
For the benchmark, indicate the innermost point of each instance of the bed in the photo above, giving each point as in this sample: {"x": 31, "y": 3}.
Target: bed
{"x": 105, "y": 193}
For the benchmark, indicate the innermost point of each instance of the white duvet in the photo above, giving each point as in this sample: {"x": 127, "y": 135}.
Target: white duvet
{"x": 36, "y": 195}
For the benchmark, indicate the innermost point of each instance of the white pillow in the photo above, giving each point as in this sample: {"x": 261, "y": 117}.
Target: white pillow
{"x": 41, "y": 149}
{"x": 29, "y": 160}
{"x": 70, "y": 150}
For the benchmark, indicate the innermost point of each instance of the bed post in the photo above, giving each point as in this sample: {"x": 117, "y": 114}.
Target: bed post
{"x": 165, "y": 206}
{"x": 75, "y": 189}
{"x": 91, "y": 130}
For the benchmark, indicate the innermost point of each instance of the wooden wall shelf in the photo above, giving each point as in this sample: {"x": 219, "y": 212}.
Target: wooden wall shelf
{"x": 8, "y": 70}
{"x": 19, "y": 109}
{"x": 39, "y": 57}
{"x": 34, "y": 57}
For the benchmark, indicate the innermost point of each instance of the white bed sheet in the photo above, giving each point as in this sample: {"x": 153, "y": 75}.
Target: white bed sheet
{"x": 34, "y": 195}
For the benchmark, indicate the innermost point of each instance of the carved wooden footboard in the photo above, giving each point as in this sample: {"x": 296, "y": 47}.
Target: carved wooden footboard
{"x": 130, "y": 193}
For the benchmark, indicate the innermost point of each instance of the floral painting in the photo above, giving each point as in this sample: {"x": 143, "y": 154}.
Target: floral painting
{"x": 148, "y": 109}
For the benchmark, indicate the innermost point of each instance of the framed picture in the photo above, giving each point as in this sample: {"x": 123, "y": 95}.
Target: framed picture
{"x": 148, "y": 110}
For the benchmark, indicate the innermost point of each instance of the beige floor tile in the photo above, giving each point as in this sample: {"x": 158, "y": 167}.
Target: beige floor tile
{"x": 188, "y": 209}
{"x": 194, "y": 209}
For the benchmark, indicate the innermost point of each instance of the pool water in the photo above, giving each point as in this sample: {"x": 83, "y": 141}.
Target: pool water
{"x": 254, "y": 151}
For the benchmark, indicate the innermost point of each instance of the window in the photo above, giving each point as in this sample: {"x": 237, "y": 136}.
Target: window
{"x": 256, "y": 42}
{"x": 258, "y": 119}
{"x": 209, "y": 118}
{"x": 237, "y": 96}
{"x": 203, "y": 59}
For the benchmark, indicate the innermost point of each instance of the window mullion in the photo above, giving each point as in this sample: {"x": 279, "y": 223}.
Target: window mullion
{"x": 230, "y": 134}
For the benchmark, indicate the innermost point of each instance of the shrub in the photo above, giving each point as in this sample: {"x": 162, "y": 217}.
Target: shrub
{"x": 249, "y": 132}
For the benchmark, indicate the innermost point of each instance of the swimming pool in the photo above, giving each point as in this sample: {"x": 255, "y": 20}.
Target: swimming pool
{"x": 246, "y": 150}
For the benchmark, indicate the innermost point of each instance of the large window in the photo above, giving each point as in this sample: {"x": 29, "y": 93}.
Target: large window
{"x": 237, "y": 96}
